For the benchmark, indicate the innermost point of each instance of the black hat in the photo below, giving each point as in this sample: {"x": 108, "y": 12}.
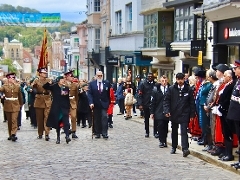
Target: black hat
{"x": 200, "y": 73}
{"x": 42, "y": 70}
{"x": 221, "y": 67}
{"x": 138, "y": 76}
{"x": 69, "y": 73}
{"x": 59, "y": 77}
{"x": 10, "y": 75}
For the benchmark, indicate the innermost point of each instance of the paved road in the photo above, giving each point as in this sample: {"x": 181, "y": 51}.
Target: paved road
{"x": 126, "y": 155}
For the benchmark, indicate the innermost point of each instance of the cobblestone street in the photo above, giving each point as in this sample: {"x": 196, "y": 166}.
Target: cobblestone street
{"x": 127, "y": 154}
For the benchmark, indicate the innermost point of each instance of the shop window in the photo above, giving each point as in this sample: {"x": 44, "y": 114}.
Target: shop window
{"x": 184, "y": 24}
{"x": 233, "y": 54}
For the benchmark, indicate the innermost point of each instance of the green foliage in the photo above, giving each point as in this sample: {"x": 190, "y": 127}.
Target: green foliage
{"x": 10, "y": 8}
{"x": 11, "y": 67}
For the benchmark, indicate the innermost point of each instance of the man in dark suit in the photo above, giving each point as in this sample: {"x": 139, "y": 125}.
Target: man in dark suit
{"x": 99, "y": 99}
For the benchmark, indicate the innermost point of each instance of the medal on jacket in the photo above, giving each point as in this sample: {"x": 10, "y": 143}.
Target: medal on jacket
{"x": 64, "y": 91}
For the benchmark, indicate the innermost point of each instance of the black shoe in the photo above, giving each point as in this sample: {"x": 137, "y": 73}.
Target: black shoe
{"x": 200, "y": 143}
{"x": 110, "y": 126}
{"x": 126, "y": 118}
{"x": 186, "y": 153}
{"x": 156, "y": 135}
{"x": 39, "y": 137}
{"x": 89, "y": 126}
{"x": 5, "y": 121}
{"x": 14, "y": 137}
{"x": 173, "y": 151}
{"x": 105, "y": 136}
{"x": 234, "y": 164}
{"x": 217, "y": 152}
{"x": 161, "y": 145}
{"x": 47, "y": 138}
{"x": 18, "y": 128}
{"x": 228, "y": 158}
{"x": 146, "y": 135}
{"x": 237, "y": 152}
{"x": 83, "y": 126}
{"x": 74, "y": 136}
{"x": 165, "y": 144}
{"x": 67, "y": 139}
{"x": 97, "y": 136}
{"x": 237, "y": 166}
{"x": 222, "y": 155}
{"x": 9, "y": 138}
{"x": 207, "y": 148}
{"x": 58, "y": 140}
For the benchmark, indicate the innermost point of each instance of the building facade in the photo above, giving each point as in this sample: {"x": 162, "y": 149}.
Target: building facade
{"x": 224, "y": 15}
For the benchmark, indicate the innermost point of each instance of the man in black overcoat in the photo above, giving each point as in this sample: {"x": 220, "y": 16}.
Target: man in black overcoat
{"x": 179, "y": 105}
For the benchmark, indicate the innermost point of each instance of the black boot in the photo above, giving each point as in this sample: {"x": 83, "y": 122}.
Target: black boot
{"x": 58, "y": 140}
{"x": 74, "y": 136}
{"x": 47, "y": 138}
{"x": 229, "y": 148}
{"x": 14, "y": 137}
{"x": 67, "y": 139}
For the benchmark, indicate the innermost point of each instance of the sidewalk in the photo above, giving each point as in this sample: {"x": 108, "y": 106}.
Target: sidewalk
{"x": 194, "y": 148}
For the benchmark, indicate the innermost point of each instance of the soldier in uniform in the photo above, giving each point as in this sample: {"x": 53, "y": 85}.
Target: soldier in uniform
{"x": 73, "y": 96}
{"x": 42, "y": 103}
{"x": 13, "y": 102}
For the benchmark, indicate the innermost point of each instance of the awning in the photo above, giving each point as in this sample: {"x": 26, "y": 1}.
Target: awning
{"x": 17, "y": 66}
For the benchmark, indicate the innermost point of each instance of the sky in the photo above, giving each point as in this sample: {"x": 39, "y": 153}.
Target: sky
{"x": 71, "y": 10}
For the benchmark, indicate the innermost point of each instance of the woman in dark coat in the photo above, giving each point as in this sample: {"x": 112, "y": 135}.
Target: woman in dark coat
{"x": 59, "y": 112}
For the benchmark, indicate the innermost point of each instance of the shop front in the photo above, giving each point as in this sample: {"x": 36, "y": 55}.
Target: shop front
{"x": 226, "y": 41}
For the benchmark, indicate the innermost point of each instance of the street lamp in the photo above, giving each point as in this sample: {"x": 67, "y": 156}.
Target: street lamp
{"x": 78, "y": 67}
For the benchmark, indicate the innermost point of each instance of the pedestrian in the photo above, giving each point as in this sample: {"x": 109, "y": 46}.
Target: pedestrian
{"x": 42, "y": 103}
{"x": 99, "y": 99}
{"x": 233, "y": 110}
{"x": 138, "y": 82}
{"x": 128, "y": 102}
{"x": 12, "y": 104}
{"x": 59, "y": 112}
{"x": 110, "y": 108}
{"x": 156, "y": 110}
{"x": 4, "y": 81}
{"x": 201, "y": 101}
{"x": 73, "y": 96}
{"x": 83, "y": 108}
{"x": 179, "y": 106}
{"x": 144, "y": 99}
{"x": 120, "y": 96}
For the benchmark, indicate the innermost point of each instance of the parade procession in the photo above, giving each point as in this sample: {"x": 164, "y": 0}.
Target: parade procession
{"x": 120, "y": 90}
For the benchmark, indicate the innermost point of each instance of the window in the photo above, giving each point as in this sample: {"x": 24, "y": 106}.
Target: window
{"x": 96, "y": 5}
{"x": 150, "y": 30}
{"x": 17, "y": 53}
{"x": 104, "y": 33}
{"x": 76, "y": 43}
{"x": 12, "y": 53}
{"x": 97, "y": 40}
{"x": 119, "y": 22}
{"x": 184, "y": 24}
{"x": 76, "y": 58}
{"x": 129, "y": 17}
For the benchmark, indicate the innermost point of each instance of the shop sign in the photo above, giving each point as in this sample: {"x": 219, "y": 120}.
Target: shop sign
{"x": 112, "y": 61}
{"x": 196, "y": 46}
{"x": 128, "y": 59}
{"x": 231, "y": 32}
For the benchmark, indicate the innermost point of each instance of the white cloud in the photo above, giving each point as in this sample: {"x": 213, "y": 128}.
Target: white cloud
{"x": 69, "y": 9}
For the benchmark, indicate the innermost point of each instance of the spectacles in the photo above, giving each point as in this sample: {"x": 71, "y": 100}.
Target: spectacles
{"x": 99, "y": 75}
{"x": 12, "y": 77}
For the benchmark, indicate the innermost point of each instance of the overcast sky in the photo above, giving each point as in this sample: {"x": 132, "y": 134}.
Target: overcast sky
{"x": 71, "y": 10}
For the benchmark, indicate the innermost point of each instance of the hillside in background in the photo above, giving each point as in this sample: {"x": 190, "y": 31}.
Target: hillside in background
{"x": 29, "y": 36}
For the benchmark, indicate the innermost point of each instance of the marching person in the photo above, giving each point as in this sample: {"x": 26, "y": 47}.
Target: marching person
{"x": 179, "y": 105}
{"x": 156, "y": 110}
{"x": 144, "y": 98}
{"x": 73, "y": 96}
{"x": 99, "y": 99}
{"x": 59, "y": 112}
{"x": 42, "y": 103}
{"x": 12, "y": 104}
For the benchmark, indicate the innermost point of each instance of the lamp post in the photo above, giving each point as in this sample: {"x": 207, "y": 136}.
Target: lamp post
{"x": 78, "y": 67}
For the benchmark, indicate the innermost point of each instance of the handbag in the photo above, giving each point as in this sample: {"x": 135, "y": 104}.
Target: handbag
{"x": 134, "y": 100}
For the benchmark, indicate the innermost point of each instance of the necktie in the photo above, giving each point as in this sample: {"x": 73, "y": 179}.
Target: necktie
{"x": 99, "y": 87}
{"x": 164, "y": 91}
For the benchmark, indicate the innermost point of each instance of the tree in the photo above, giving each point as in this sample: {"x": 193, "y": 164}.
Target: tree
{"x": 9, "y": 62}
